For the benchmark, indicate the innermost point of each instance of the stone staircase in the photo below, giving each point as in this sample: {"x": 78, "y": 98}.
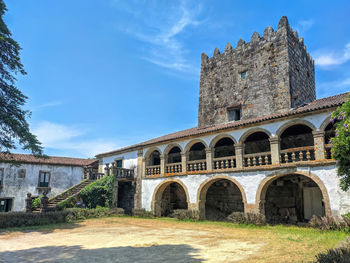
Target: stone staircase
{"x": 74, "y": 190}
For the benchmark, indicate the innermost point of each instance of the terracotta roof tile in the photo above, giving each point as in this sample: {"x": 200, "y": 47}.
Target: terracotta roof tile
{"x": 53, "y": 160}
{"x": 320, "y": 104}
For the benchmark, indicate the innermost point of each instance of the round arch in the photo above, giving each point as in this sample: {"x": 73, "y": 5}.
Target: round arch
{"x": 203, "y": 188}
{"x": 325, "y": 123}
{"x": 261, "y": 192}
{"x": 219, "y": 137}
{"x": 245, "y": 135}
{"x": 158, "y": 193}
{"x": 151, "y": 150}
{"x": 170, "y": 146}
{"x": 294, "y": 122}
{"x": 191, "y": 143}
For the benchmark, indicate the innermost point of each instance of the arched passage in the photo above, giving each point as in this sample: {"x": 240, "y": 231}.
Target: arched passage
{"x": 219, "y": 197}
{"x": 257, "y": 149}
{"x": 169, "y": 196}
{"x": 292, "y": 198}
{"x": 224, "y": 154}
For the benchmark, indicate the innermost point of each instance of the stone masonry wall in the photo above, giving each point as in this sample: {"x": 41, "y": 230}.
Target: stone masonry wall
{"x": 279, "y": 75}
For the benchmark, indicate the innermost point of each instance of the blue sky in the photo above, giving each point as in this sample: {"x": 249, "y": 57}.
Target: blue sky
{"x": 104, "y": 74}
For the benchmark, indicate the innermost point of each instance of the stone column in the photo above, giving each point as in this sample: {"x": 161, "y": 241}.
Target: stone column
{"x": 107, "y": 170}
{"x": 44, "y": 202}
{"x": 209, "y": 159}
{"x": 184, "y": 162}
{"x": 29, "y": 203}
{"x": 319, "y": 144}
{"x": 115, "y": 192}
{"x": 239, "y": 155}
{"x": 162, "y": 165}
{"x": 138, "y": 187}
{"x": 275, "y": 150}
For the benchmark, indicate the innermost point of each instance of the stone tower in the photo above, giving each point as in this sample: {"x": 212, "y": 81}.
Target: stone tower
{"x": 270, "y": 74}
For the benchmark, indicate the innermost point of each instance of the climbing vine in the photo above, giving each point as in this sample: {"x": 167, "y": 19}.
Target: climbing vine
{"x": 341, "y": 143}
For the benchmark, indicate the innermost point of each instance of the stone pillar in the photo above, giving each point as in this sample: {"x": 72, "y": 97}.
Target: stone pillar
{"x": 209, "y": 159}
{"x": 113, "y": 169}
{"x": 239, "y": 155}
{"x": 138, "y": 187}
{"x": 107, "y": 169}
{"x": 44, "y": 202}
{"x": 29, "y": 203}
{"x": 184, "y": 162}
{"x": 162, "y": 165}
{"x": 275, "y": 150}
{"x": 319, "y": 144}
{"x": 115, "y": 192}
{"x": 100, "y": 166}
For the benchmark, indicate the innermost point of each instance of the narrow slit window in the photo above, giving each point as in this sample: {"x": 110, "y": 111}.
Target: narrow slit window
{"x": 243, "y": 75}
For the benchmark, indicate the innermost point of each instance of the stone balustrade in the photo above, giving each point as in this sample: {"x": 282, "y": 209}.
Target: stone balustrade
{"x": 299, "y": 154}
{"x": 152, "y": 170}
{"x": 257, "y": 159}
{"x": 173, "y": 168}
{"x": 327, "y": 151}
{"x": 224, "y": 163}
{"x": 193, "y": 166}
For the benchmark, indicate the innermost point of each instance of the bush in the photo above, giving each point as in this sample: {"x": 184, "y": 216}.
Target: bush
{"x": 20, "y": 219}
{"x": 142, "y": 213}
{"x": 99, "y": 193}
{"x": 185, "y": 214}
{"x": 36, "y": 202}
{"x": 326, "y": 223}
{"x": 339, "y": 254}
{"x": 68, "y": 203}
{"x": 247, "y": 218}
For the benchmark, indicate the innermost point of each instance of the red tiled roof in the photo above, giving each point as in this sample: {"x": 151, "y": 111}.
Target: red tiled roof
{"x": 316, "y": 105}
{"x": 53, "y": 160}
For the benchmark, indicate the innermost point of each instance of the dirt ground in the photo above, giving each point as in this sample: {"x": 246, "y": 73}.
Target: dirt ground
{"x": 141, "y": 240}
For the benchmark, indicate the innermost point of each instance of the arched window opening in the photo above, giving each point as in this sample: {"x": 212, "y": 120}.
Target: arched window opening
{"x": 297, "y": 144}
{"x": 224, "y": 154}
{"x": 329, "y": 133}
{"x": 257, "y": 150}
{"x": 197, "y": 158}
{"x": 174, "y": 161}
{"x": 153, "y": 163}
{"x": 291, "y": 199}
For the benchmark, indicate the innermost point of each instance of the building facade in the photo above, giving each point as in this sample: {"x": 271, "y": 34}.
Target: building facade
{"x": 22, "y": 173}
{"x": 262, "y": 144}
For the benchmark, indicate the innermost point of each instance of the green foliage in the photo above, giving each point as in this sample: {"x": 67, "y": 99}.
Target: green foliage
{"x": 36, "y": 202}
{"x": 21, "y": 219}
{"x": 14, "y": 126}
{"x": 68, "y": 203}
{"x": 99, "y": 193}
{"x": 341, "y": 143}
{"x": 340, "y": 254}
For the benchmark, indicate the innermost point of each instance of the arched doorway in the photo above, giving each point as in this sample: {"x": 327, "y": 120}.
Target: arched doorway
{"x": 170, "y": 196}
{"x": 291, "y": 198}
{"x": 219, "y": 198}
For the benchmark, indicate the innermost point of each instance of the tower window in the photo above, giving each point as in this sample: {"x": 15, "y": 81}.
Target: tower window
{"x": 243, "y": 75}
{"x": 234, "y": 114}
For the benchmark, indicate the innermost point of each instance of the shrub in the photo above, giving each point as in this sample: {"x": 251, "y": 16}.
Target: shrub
{"x": 326, "y": 223}
{"x": 68, "y": 203}
{"x": 142, "y": 213}
{"x": 247, "y": 218}
{"x": 36, "y": 202}
{"x": 185, "y": 214}
{"x": 99, "y": 193}
{"x": 20, "y": 219}
{"x": 340, "y": 254}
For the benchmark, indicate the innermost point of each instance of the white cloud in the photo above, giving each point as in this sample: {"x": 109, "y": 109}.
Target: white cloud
{"x": 303, "y": 25}
{"x": 45, "y": 105}
{"x": 70, "y": 140}
{"x": 332, "y": 58}
{"x": 334, "y": 87}
{"x": 162, "y": 28}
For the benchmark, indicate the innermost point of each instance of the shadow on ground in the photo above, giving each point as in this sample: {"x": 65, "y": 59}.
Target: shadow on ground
{"x": 153, "y": 253}
{"x": 44, "y": 229}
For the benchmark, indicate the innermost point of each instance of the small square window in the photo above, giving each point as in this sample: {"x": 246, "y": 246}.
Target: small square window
{"x": 44, "y": 179}
{"x": 119, "y": 163}
{"x": 243, "y": 75}
{"x": 234, "y": 114}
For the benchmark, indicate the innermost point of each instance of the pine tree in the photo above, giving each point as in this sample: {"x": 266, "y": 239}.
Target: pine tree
{"x": 14, "y": 127}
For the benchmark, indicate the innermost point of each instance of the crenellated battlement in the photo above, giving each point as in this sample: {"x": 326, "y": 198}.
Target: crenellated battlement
{"x": 269, "y": 74}
{"x": 257, "y": 40}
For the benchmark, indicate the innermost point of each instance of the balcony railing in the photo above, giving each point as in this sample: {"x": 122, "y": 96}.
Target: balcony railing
{"x": 257, "y": 159}
{"x": 173, "y": 168}
{"x": 200, "y": 165}
{"x": 123, "y": 173}
{"x": 152, "y": 170}
{"x": 299, "y": 154}
{"x": 224, "y": 162}
{"x": 327, "y": 151}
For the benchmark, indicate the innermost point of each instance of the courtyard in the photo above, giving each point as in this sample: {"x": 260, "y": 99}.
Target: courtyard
{"x": 127, "y": 239}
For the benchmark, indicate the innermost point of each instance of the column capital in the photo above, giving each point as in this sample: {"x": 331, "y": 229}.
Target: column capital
{"x": 318, "y": 133}
{"x": 140, "y": 153}
{"x": 239, "y": 146}
{"x": 208, "y": 150}
{"x": 274, "y": 140}
{"x": 162, "y": 156}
